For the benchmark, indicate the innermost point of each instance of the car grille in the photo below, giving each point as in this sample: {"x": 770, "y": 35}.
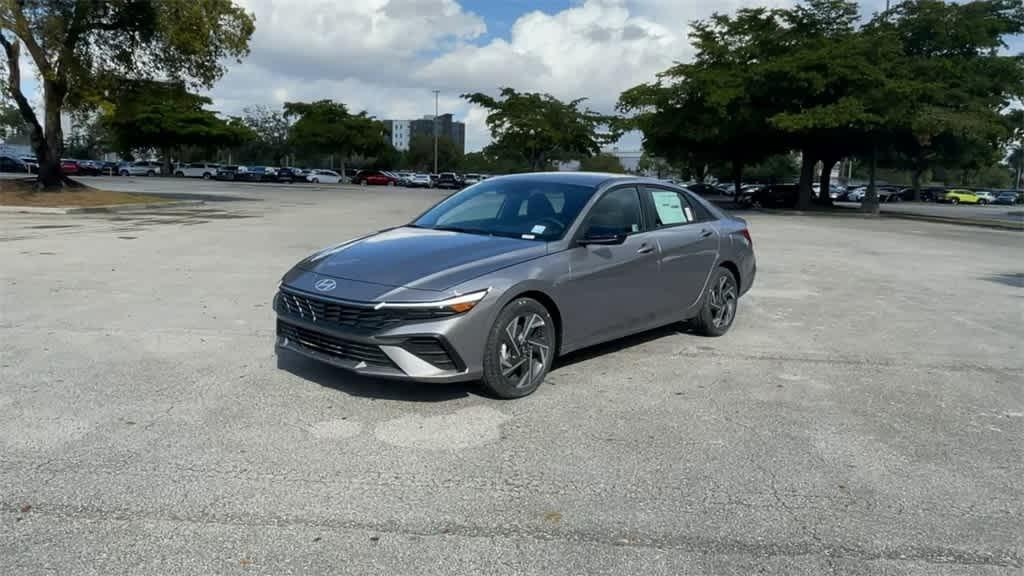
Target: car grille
{"x": 431, "y": 350}
{"x": 364, "y": 318}
{"x": 332, "y": 346}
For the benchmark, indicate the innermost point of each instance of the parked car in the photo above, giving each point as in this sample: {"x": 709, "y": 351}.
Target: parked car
{"x": 985, "y": 196}
{"x": 959, "y": 196}
{"x": 323, "y": 176}
{"x": 403, "y": 178}
{"x": 471, "y": 290}
{"x": 31, "y": 163}
{"x": 12, "y": 164}
{"x": 89, "y": 167}
{"x": 774, "y": 196}
{"x": 140, "y": 168}
{"x": 448, "y": 180}
{"x": 420, "y": 181}
{"x": 228, "y": 172}
{"x": 702, "y": 189}
{"x": 888, "y": 194}
{"x": 257, "y": 174}
{"x": 470, "y": 179}
{"x": 375, "y": 178}
{"x": 69, "y": 166}
{"x": 202, "y": 170}
{"x": 289, "y": 174}
{"x": 1005, "y": 198}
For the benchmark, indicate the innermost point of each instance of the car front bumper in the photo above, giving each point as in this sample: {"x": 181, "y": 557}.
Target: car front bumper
{"x": 427, "y": 351}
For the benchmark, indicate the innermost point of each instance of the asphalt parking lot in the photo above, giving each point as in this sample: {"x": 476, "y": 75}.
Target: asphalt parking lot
{"x": 865, "y": 415}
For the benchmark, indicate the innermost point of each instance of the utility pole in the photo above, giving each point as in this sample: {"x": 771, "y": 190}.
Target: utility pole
{"x": 436, "y": 92}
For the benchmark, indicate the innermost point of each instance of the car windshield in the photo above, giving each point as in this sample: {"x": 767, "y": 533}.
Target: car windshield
{"x": 515, "y": 208}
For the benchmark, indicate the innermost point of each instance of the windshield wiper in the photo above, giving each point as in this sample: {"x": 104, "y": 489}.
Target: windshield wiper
{"x": 463, "y": 230}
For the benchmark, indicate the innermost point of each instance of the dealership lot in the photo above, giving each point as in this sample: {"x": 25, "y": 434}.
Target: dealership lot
{"x": 865, "y": 415}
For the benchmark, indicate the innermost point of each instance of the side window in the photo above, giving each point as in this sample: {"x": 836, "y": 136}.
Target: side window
{"x": 670, "y": 208}
{"x": 617, "y": 212}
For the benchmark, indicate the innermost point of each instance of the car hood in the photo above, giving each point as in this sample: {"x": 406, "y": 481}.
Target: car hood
{"x": 421, "y": 258}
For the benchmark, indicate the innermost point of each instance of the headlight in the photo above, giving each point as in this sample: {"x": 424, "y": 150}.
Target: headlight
{"x": 458, "y": 304}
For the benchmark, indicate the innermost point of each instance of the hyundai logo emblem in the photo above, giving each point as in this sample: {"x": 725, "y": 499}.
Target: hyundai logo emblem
{"x": 325, "y": 285}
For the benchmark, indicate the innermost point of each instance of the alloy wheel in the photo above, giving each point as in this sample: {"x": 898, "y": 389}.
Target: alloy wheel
{"x": 722, "y": 300}
{"x": 525, "y": 347}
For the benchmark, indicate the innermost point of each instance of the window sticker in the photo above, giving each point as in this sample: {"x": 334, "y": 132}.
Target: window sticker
{"x": 538, "y": 229}
{"x": 669, "y": 208}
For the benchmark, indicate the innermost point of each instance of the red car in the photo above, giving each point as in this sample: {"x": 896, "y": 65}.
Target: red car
{"x": 375, "y": 178}
{"x": 69, "y": 166}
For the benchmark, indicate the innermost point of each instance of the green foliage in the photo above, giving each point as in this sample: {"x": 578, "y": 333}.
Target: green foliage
{"x": 83, "y": 47}
{"x": 920, "y": 85}
{"x": 327, "y": 127}
{"x": 542, "y": 128}
{"x": 491, "y": 160}
{"x": 420, "y": 156}
{"x": 602, "y": 162}
{"x": 165, "y": 116}
{"x": 777, "y": 168}
{"x": 12, "y": 124}
{"x": 269, "y": 144}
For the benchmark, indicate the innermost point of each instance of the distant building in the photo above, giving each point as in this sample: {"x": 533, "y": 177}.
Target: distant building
{"x": 402, "y": 131}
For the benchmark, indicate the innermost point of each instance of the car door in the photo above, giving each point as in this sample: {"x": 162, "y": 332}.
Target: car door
{"x": 688, "y": 245}
{"x": 610, "y": 288}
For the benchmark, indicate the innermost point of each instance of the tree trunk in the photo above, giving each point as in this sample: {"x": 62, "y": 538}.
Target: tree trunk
{"x": 737, "y": 178}
{"x": 807, "y": 163}
{"x": 825, "y": 181}
{"x": 915, "y": 182}
{"x": 50, "y": 147}
{"x": 870, "y": 202}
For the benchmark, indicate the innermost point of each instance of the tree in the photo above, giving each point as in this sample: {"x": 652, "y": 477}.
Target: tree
{"x": 953, "y": 83}
{"x": 420, "y": 155}
{"x": 706, "y": 113}
{"x": 12, "y": 124}
{"x": 77, "y": 46}
{"x": 166, "y": 117}
{"x": 270, "y": 135}
{"x": 326, "y": 127}
{"x": 602, "y": 162}
{"x": 542, "y": 128}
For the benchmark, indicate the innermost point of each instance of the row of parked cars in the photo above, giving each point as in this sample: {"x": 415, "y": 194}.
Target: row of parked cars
{"x": 449, "y": 180}
{"x": 785, "y": 195}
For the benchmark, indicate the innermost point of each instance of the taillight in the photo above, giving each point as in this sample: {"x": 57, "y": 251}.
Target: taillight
{"x": 746, "y": 234}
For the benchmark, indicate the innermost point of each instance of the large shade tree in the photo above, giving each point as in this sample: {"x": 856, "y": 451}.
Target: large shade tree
{"x": 327, "y": 127}
{"x": 542, "y": 128}
{"x": 164, "y": 116}
{"x": 78, "y": 45}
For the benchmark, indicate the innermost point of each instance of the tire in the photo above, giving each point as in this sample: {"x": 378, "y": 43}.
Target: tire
{"x": 179, "y": 174}
{"x": 207, "y": 176}
{"x": 520, "y": 349}
{"x": 151, "y": 173}
{"x": 362, "y": 182}
{"x": 982, "y": 202}
{"x": 954, "y": 201}
{"x": 315, "y": 180}
{"x": 390, "y": 183}
{"x": 124, "y": 172}
{"x": 717, "y": 314}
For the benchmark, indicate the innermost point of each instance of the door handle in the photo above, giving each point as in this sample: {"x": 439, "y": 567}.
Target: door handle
{"x": 645, "y": 249}
{"x": 705, "y": 233}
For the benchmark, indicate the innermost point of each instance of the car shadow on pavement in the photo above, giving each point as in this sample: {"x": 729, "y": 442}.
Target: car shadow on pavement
{"x": 1010, "y": 279}
{"x": 621, "y": 344}
{"x": 344, "y": 381}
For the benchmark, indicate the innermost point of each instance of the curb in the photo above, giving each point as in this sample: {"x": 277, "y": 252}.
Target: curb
{"x": 96, "y": 209}
{"x": 996, "y": 224}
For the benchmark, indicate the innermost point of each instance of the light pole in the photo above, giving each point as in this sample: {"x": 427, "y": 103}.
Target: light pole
{"x": 436, "y": 92}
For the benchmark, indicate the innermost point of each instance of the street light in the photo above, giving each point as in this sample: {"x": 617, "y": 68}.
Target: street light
{"x": 436, "y": 92}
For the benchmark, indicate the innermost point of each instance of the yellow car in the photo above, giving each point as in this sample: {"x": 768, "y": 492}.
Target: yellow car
{"x": 957, "y": 196}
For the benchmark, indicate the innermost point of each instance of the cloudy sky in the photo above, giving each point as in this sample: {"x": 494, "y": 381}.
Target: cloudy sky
{"x": 386, "y": 56}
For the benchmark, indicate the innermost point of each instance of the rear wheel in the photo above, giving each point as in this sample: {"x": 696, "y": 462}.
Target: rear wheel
{"x": 124, "y": 172}
{"x": 982, "y": 202}
{"x": 316, "y": 180}
{"x": 207, "y": 176}
{"x": 150, "y": 173}
{"x": 720, "y": 302}
{"x": 954, "y": 201}
{"x": 520, "y": 349}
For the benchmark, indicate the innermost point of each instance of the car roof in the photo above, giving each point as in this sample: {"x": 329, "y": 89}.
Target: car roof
{"x": 594, "y": 179}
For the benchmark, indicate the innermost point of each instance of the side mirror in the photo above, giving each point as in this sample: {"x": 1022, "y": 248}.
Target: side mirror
{"x": 602, "y": 239}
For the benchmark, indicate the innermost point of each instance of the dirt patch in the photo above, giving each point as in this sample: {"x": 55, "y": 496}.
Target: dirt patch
{"x": 22, "y": 193}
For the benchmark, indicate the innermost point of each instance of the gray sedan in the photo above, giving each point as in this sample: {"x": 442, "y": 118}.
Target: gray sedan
{"x": 497, "y": 280}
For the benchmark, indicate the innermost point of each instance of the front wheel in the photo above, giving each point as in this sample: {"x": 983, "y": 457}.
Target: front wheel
{"x": 207, "y": 176}
{"x": 520, "y": 349}
{"x": 316, "y": 180}
{"x": 982, "y": 202}
{"x": 954, "y": 201}
{"x": 151, "y": 173}
{"x": 124, "y": 172}
{"x": 720, "y": 302}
